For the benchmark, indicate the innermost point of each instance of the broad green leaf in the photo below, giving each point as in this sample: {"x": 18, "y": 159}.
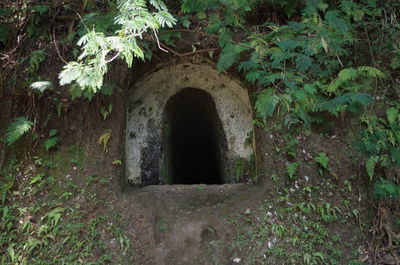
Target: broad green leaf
{"x": 392, "y": 114}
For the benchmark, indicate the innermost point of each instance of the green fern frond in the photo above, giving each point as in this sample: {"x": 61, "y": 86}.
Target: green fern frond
{"x": 226, "y": 60}
{"x": 354, "y": 102}
{"x": 334, "y": 19}
{"x": 268, "y": 78}
{"x": 50, "y": 143}
{"x": 159, "y": 5}
{"x": 303, "y": 63}
{"x": 348, "y": 6}
{"x": 254, "y": 75}
{"x": 247, "y": 66}
{"x": 347, "y": 74}
{"x": 266, "y": 103}
{"x": 18, "y": 127}
{"x": 288, "y": 45}
{"x": 370, "y": 72}
{"x": 229, "y": 56}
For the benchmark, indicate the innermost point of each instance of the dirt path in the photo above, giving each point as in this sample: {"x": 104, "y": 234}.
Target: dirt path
{"x": 185, "y": 224}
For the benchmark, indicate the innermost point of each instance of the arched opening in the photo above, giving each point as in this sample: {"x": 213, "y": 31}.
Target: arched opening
{"x": 193, "y": 139}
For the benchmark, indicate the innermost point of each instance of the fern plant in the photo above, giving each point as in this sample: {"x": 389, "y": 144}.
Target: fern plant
{"x": 386, "y": 189}
{"x": 380, "y": 141}
{"x": 293, "y": 63}
{"x": 98, "y": 50}
{"x": 52, "y": 141}
{"x": 17, "y": 128}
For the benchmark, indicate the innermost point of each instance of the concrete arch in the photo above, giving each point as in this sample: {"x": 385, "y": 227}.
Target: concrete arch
{"x": 146, "y": 105}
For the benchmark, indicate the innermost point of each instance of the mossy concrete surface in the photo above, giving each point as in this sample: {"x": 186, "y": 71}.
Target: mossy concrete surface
{"x": 146, "y": 106}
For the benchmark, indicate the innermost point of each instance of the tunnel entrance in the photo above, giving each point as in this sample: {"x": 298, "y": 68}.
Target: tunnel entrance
{"x": 193, "y": 139}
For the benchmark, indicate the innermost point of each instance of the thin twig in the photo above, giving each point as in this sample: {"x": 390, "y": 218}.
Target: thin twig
{"x": 171, "y": 50}
{"x": 189, "y": 31}
{"x": 340, "y": 61}
{"x": 113, "y": 58}
{"x": 55, "y": 45}
{"x": 205, "y": 34}
{"x": 187, "y": 53}
{"x": 158, "y": 41}
{"x": 83, "y": 23}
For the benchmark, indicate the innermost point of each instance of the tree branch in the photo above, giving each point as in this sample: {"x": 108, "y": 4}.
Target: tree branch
{"x": 186, "y": 53}
{"x": 205, "y": 34}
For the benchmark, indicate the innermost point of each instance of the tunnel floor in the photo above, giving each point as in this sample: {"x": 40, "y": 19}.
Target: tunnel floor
{"x": 192, "y": 139}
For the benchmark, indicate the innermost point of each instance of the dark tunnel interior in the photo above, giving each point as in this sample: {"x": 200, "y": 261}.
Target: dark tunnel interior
{"x": 192, "y": 139}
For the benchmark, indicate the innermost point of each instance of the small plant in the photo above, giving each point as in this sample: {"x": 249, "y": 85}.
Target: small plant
{"x": 52, "y": 141}
{"x": 274, "y": 177}
{"x": 104, "y": 139}
{"x": 278, "y": 229}
{"x": 323, "y": 160}
{"x": 117, "y": 162}
{"x": 292, "y": 169}
{"x": 106, "y": 111}
{"x": 291, "y": 146}
{"x": 35, "y": 59}
{"x": 380, "y": 141}
{"x": 162, "y": 225}
{"x": 386, "y": 189}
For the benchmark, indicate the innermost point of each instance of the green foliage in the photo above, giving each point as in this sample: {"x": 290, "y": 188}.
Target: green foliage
{"x": 380, "y": 141}
{"x": 35, "y": 59}
{"x": 294, "y": 62}
{"x": 52, "y": 141}
{"x": 353, "y": 102}
{"x": 17, "y": 128}
{"x": 106, "y": 111}
{"x": 292, "y": 169}
{"x": 98, "y": 50}
{"x": 104, "y": 139}
{"x": 266, "y": 103}
{"x": 323, "y": 160}
{"x": 4, "y": 33}
{"x": 386, "y": 189}
{"x": 347, "y": 75}
{"x": 46, "y": 229}
{"x": 370, "y": 166}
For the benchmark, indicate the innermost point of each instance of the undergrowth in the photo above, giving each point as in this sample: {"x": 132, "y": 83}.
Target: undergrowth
{"x": 45, "y": 218}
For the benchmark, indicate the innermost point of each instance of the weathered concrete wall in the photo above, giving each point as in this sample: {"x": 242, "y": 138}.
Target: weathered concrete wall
{"x": 146, "y": 104}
